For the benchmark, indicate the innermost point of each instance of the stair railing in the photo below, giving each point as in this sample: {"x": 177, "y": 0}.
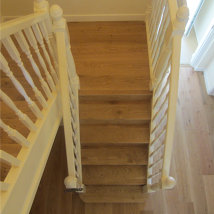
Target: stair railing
{"x": 69, "y": 84}
{"x": 28, "y": 64}
{"x": 165, "y": 27}
{"x": 46, "y": 66}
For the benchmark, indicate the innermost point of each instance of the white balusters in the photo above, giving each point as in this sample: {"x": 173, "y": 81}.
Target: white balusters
{"x": 9, "y": 159}
{"x": 14, "y": 134}
{"x": 43, "y": 6}
{"x": 22, "y": 117}
{"x": 11, "y": 48}
{"x": 47, "y": 39}
{"x": 25, "y": 48}
{"x": 42, "y": 45}
{"x": 33, "y": 43}
{"x": 19, "y": 87}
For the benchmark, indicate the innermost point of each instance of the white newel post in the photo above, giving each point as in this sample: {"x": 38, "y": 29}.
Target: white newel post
{"x": 178, "y": 31}
{"x": 70, "y": 121}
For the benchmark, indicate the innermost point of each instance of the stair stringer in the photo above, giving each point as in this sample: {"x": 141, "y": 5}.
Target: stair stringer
{"x": 24, "y": 180}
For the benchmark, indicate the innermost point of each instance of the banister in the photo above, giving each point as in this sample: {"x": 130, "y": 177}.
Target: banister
{"x": 166, "y": 62}
{"x": 179, "y": 28}
{"x": 69, "y": 86}
{"x": 12, "y": 26}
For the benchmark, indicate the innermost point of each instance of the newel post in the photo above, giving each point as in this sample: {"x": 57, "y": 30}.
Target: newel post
{"x": 178, "y": 30}
{"x": 59, "y": 27}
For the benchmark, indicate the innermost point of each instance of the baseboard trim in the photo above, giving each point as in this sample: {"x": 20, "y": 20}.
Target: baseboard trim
{"x": 210, "y": 89}
{"x": 104, "y": 17}
{"x": 94, "y": 18}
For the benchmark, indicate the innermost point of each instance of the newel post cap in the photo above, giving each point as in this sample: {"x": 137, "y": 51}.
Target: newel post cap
{"x": 181, "y": 19}
{"x": 56, "y": 15}
{"x": 168, "y": 182}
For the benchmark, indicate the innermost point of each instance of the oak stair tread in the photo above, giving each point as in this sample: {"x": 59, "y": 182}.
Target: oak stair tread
{"x": 114, "y": 83}
{"x": 114, "y": 175}
{"x": 130, "y": 112}
{"x": 115, "y": 155}
{"x": 114, "y": 95}
{"x": 114, "y": 194}
{"x": 106, "y": 134}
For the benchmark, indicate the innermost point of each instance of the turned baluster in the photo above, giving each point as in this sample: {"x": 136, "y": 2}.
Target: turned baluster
{"x": 19, "y": 87}
{"x": 9, "y": 159}
{"x": 22, "y": 117}
{"x": 14, "y": 134}
{"x": 25, "y": 48}
{"x": 32, "y": 40}
{"x": 47, "y": 39}
{"x": 39, "y": 38}
{"x": 13, "y": 52}
{"x": 43, "y": 6}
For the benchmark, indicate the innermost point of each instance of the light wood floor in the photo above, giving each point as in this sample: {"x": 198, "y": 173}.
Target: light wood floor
{"x": 192, "y": 163}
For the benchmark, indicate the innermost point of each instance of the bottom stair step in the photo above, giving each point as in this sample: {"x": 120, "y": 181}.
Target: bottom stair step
{"x": 114, "y": 175}
{"x": 113, "y": 194}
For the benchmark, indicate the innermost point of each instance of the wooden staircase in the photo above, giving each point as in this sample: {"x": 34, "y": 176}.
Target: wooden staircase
{"x": 115, "y": 109}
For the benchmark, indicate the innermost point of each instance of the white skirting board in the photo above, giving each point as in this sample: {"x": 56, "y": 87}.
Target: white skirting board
{"x": 209, "y": 78}
{"x": 95, "y": 17}
{"x": 104, "y": 17}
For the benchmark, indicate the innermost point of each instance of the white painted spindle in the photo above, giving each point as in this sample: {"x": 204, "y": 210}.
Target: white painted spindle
{"x": 20, "y": 89}
{"x": 12, "y": 50}
{"x": 14, "y": 134}
{"x": 33, "y": 43}
{"x": 43, "y": 6}
{"x": 25, "y": 48}
{"x": 47, "y": 39}
{"x": 8, "y": 158}
{"x": 22, "y": 117}
{"x": 39, "y": 38}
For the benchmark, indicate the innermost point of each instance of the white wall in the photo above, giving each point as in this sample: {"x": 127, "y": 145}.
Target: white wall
{"x": 91, "y": 10}
{"x": 188, "y": 46}
{"x": 203, "y": 21}
{"x": 98, "y": 10}
{"x": 204, "y": 18}
{"x": 16, "y": 7}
